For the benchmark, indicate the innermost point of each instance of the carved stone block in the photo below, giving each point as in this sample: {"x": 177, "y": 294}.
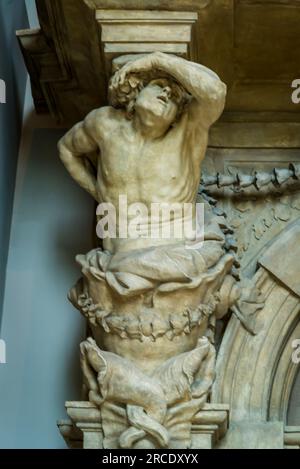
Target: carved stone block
{"x": 84, "y": 430}
{"x": 142, "y": 31}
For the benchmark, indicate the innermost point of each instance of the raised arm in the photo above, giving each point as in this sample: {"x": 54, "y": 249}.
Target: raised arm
{"x": 73, "y": 148}
{"x": 203, "y": 84}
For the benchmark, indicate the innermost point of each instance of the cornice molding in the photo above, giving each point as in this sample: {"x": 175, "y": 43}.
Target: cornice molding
{"x": 177, "y": 5}
{"x": 67, "y": 62}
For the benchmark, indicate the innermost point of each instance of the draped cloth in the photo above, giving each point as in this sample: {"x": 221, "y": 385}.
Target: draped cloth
{"x": 164, "y": 267}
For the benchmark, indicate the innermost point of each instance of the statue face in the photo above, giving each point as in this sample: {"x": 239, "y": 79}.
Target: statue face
{"x": 157, "y": 100}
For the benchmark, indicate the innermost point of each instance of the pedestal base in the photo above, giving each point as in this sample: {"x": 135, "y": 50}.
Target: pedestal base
{"x": 84, "y": 430}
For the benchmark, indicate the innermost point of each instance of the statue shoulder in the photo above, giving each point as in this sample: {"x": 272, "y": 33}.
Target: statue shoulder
{"x": 102, "y": 120}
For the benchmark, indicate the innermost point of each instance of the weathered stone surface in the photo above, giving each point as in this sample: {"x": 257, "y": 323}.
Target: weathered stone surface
{"x": 253, "y": 435}
{"x": 285, "y": 267}
{"x": 144, "y": 31}
{"x": 208, "y": 426}
{"x": 258, "y": 75}
{"x": 151, "y": 302}
{"x": 292, "y": 437}
{"x": 153, "y": 308}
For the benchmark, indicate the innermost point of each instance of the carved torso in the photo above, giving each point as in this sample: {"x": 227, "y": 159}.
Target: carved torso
{"x": 163, "y": 170}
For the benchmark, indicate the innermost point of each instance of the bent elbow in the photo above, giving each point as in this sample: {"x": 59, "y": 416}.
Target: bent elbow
{"x": 218, "y": 97}
{"x": 61, "y": 146}
{"x": 221, "y": 91}
{"x": 63, "y": 150}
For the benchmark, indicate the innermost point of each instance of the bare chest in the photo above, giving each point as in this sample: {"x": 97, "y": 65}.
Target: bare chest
{"x": 124, "y": 159}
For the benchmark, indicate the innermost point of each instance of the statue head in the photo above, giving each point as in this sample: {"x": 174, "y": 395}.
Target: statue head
{"x": 151, "y": 96}
{"x": 160, "y": 99}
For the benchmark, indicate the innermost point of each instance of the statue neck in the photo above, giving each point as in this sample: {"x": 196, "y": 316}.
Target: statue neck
{"x": 149, "y": 127}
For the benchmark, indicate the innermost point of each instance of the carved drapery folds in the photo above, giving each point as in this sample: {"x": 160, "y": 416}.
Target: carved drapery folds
{"x": 151, "y": 364}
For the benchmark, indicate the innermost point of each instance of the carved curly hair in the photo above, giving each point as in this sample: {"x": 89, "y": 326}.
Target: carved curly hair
{"x": 125, "y": 96}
